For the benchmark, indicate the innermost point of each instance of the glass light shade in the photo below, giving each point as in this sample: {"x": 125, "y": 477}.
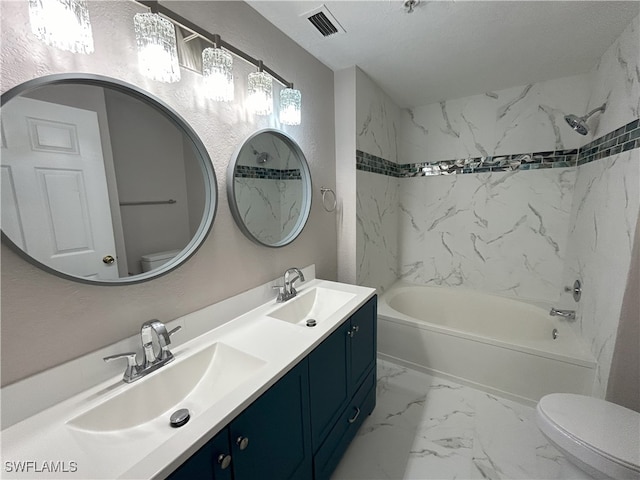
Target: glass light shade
{"x": 157, "y": 52}
{"x": 290, "y": 105}
{"x": 217, "y": 68}
{"x": 63, "y": 24}
{"x": 260, "y": 93}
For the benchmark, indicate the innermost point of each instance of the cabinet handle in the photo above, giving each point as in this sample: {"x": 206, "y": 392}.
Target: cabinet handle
{"x": 351, "y": 333}
{"x": 243, "y": 442}
{"x": 224, "y": 461}
{"x": 355, "y": 417}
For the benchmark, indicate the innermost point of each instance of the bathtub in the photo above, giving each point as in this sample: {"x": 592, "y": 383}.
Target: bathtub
{"x": 493, "y": 343}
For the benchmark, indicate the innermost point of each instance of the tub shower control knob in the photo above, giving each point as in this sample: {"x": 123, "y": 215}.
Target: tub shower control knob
{"x": 576, "y": 290}
{"x": 243, "y": 442}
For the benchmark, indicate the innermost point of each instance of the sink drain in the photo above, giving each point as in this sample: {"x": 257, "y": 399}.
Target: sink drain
{"x": 311, "y": 322}
{"x": 179, "y": 418}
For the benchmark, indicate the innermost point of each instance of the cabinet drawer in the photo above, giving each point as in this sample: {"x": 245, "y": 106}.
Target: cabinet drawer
{"x": 331, "y": 451}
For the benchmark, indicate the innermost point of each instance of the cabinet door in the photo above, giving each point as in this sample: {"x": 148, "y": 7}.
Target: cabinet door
{"x": 363, "y": 342}
{"x": 329, "y": 382}
{"x": 271, "y": 439}
{"x": 210, "y": 462}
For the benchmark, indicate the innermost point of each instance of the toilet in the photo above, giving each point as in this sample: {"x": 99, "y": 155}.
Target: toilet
{"x": 152, "y": 261}
{"x": 600, "y": 437}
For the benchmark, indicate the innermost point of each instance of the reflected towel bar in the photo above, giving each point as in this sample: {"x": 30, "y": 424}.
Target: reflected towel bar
{"x": 156, "y": 202}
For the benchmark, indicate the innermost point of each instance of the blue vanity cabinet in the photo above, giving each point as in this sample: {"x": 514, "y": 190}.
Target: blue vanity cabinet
{"x": 342, "y": 384}
{"x": 270, "y": 440}
{"x": 211, "y": 462}
{"x": 275, "y": 432}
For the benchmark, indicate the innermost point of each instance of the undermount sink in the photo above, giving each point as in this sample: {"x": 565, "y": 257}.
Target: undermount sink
{"x": 317, "y": 304}
{"x": 198, "y": 380}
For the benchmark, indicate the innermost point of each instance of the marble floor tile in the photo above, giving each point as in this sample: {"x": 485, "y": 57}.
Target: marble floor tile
{"x": 425, "y": 427}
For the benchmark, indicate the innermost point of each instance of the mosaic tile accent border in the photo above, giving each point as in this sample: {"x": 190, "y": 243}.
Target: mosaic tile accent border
{"x": 623, "y": 139}
{"x": 246, "y": 171}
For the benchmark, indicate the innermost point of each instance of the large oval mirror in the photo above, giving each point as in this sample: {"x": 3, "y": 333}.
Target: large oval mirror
{"x": 269, "y": 188}
{"x": 101, "y": 182}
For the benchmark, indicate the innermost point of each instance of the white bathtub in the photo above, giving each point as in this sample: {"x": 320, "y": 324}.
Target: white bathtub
{"x": 490, "y": 342}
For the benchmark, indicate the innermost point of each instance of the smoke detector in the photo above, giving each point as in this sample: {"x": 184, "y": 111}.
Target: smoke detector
{"x": 324, "y": 21}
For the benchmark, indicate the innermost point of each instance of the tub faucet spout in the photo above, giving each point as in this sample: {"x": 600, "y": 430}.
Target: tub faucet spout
{"x": 568, "y": 314}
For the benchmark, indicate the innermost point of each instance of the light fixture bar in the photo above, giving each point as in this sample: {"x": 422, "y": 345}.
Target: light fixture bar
{"x": 212, "y": 38}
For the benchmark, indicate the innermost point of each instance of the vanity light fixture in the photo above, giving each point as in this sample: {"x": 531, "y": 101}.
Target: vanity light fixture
{"x": 157, "y": 51}
{"x": 217, "y": 65}
{"x": 217, "y": 69}
{"x": 63, "y": 24}
{"x": 290, "y": 105}
{"x": 260, "y": 89}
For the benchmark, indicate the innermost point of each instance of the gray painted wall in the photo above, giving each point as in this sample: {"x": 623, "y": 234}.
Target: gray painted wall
{"x": 47, "y": 320}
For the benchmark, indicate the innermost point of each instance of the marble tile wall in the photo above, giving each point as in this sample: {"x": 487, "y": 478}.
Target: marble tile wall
{"x": 278, "y": 210}
{"x": 605, "y": 204}
{"x": 499, "y": 232}
{"x": 377, "y": 230}
{"x": 601, "y": 230}
{"x": 377, "y": 120}
{"x": 616, "y": 81}
{"x": 516, "y": 120}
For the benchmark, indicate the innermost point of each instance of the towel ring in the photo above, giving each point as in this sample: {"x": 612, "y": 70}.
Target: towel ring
{"x": 333, "y": 204}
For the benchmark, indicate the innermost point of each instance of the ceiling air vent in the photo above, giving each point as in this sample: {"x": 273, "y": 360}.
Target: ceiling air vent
{"x": 324, "y": 21}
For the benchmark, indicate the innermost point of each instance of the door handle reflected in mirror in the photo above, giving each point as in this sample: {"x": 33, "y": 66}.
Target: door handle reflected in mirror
{"x": 108, "y": 259}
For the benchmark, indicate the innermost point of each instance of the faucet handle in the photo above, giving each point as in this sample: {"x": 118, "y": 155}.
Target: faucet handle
{"x": 281, "y": 293}
{"x": 165, "y": 353}
{"x": 132, "y": 364}
{"x": 130, "y": 356}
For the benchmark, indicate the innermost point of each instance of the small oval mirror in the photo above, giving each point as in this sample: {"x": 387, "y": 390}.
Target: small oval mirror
{"x": 269, "y": 188}
{"x": 101, "y": 182}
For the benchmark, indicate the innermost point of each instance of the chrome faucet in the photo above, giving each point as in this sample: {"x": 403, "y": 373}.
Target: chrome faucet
{"x": 568, "y": 314}
{"x": 151, "y": 361}
{"x": 288, "y": 291}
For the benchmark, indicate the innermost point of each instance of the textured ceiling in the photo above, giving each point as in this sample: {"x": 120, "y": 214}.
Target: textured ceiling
{"x": 451, "y": 49}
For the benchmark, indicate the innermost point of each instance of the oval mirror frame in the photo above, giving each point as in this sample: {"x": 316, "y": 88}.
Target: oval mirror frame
{"x": 208, "y": 173}
{"x": 305, "y": 175}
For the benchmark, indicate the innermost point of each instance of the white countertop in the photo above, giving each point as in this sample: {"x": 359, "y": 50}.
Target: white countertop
{"x": 154, "y": 449}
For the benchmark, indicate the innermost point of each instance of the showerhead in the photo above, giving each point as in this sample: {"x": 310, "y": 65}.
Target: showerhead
{"x": 262, "y": 157}
{"x": 579, "y": 124}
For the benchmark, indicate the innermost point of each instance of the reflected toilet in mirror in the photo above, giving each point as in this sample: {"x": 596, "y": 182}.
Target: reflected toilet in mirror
{"x": 269, "y": 188}
{"x": 101, "y": 182}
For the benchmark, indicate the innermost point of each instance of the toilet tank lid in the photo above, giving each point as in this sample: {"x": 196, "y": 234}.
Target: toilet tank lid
{"x": 610, "y": 429}
{"x": 154, "y": 257}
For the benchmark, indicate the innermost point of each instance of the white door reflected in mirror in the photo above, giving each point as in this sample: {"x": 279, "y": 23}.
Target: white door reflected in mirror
{"x": 55, "y": 203}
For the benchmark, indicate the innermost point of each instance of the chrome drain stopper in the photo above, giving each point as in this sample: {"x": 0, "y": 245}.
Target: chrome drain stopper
{"x": 311, "y": 323}
{"x": 179, "y": 418}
